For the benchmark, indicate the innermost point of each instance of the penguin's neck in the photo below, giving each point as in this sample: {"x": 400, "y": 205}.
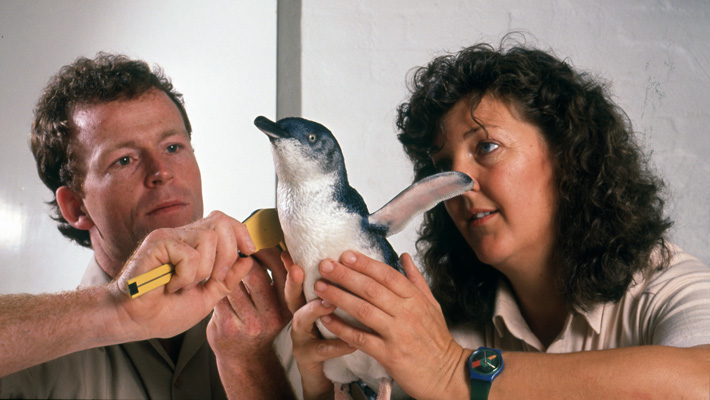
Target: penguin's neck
{"x": 309, "y": 207}
{"x": 316, "y": 187}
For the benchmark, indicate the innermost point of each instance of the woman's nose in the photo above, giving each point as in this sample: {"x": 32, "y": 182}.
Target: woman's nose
{"x": 469, "y": 168}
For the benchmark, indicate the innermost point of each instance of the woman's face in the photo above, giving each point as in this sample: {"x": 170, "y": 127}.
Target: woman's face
{"x": 507, "y": 217}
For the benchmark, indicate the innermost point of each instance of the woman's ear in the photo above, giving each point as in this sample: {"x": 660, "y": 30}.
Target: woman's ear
{"x": 72, "y": 207}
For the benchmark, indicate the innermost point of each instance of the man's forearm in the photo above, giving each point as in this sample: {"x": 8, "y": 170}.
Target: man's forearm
{"x": 39, "y": 328}
{"x": 263, "y": 378}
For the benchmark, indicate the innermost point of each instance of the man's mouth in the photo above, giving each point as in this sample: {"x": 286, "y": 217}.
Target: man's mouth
{"x": 166, "y": 207}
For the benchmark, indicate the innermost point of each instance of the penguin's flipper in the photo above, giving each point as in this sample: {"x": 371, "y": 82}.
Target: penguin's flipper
{"x": 417, "y": 198}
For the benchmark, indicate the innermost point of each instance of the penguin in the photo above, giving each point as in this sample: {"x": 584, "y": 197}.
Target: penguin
{"x": 321, "y": 216}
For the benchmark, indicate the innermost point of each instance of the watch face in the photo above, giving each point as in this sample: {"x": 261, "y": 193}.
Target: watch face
{"x": 485, "y": 362}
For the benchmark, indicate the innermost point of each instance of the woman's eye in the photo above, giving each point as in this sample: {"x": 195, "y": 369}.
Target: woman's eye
{"x": 487, "y": 147}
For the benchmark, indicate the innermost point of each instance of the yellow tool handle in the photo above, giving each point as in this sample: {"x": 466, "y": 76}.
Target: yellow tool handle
{"x": 265, "y": 231}
{"x": 150, "y": 280}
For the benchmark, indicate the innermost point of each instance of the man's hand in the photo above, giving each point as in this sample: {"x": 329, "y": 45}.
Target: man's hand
{"x": 242, "y": 331}
{"x": 246, "y": 322}
{"x": 38, "y": 328}
{"x": 205, "y": 256}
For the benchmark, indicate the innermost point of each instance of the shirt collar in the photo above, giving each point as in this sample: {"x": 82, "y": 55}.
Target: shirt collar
{"x": 507, "y": 318}
{"x": 593, "y": 317}
{"x": 94, "y": 275}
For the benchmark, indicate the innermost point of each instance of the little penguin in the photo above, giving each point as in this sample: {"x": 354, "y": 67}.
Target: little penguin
{"x": 322, "y": 216}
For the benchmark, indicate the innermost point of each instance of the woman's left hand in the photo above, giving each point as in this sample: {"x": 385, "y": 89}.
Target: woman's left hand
{"x": 410, "y": 338}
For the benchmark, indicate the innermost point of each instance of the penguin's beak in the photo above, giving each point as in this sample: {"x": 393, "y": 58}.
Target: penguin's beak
{"x": 270, "y": 128}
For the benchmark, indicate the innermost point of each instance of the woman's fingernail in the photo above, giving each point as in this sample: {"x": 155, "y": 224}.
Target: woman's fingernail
{"x": 320, "y": 286}
{"x": 325, "y": 304}
{"x": 349, "y": 257}
{"x": 327, "y": 266}
{"x": 326, "y": 319}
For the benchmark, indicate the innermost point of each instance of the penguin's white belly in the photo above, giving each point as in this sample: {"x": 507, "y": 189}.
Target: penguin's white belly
{"x": 314, "y": 233}
{"x": 317, "y": 229}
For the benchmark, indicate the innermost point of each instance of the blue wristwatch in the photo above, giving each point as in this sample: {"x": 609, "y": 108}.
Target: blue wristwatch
{"x": 484, "y": 365}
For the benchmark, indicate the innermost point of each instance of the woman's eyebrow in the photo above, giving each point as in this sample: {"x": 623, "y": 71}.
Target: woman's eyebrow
{"x": 474, "y": 130}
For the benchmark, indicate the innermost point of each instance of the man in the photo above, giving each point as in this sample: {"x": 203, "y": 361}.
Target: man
{"x": 112, "y": 141}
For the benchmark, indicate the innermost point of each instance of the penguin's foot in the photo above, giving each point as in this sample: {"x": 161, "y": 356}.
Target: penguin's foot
{"x": 385, "y": 389}
{"x": 342, "y": 391}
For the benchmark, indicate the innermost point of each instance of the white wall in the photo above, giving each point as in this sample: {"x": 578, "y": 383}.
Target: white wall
{"x": 220, "y": 54}
{"x": 355, "y": 56}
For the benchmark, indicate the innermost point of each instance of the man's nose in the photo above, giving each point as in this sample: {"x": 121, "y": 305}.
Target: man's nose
{"x": 158, "y": 171}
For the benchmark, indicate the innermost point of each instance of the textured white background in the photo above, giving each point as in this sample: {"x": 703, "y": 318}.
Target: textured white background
{"x": 656, "y": 55}
{"x": 220, "y": 54}
{"x": 355, "y": 56}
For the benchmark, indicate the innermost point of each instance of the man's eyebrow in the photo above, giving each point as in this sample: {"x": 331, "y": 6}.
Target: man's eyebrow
{"x": 174, "y": 132}
{"x": 132, "y": 143}
{"x": 110, "y": 148}
{"x": 165, "y": 135}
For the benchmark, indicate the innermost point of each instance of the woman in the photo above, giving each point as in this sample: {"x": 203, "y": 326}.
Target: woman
{"x": 559, "y": 249}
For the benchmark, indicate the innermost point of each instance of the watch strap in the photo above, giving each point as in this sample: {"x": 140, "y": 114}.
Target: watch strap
{"x": 479, "y": 389}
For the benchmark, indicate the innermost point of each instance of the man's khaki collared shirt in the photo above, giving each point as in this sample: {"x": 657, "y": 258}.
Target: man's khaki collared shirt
{"x": 137, "y": 370}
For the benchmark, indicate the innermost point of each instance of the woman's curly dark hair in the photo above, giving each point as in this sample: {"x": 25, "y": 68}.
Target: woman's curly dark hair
{"x": 86, "y": 81}
{"x": 610, "y": 211}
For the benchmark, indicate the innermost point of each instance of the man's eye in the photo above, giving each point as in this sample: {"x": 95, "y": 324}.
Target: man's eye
{"x": 124, "y": 160}
{"x": 487, "y": 147}
{"x": 173, "y": 148}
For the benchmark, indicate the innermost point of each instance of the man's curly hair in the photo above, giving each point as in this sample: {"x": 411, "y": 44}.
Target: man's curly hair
{"x": 86, "y": 81}
{"x": 610, "y": 211}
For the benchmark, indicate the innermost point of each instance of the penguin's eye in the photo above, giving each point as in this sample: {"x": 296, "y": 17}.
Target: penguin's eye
{"x": 312, "y": 138}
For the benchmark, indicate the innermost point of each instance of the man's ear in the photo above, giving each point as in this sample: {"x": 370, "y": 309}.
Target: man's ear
{"x": 72, "y": 207}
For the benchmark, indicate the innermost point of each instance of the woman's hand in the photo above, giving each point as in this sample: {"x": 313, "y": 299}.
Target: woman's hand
{"x": 410, "y": 338}
{"x": 309, "y": 348}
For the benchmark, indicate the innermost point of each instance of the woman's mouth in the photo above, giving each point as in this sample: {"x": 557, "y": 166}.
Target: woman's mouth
{"x": 482, "y": 214}
{"x": 482, "y": 217}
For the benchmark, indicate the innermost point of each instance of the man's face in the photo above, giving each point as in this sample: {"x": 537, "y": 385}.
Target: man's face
{"x": 140, "y": 172}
